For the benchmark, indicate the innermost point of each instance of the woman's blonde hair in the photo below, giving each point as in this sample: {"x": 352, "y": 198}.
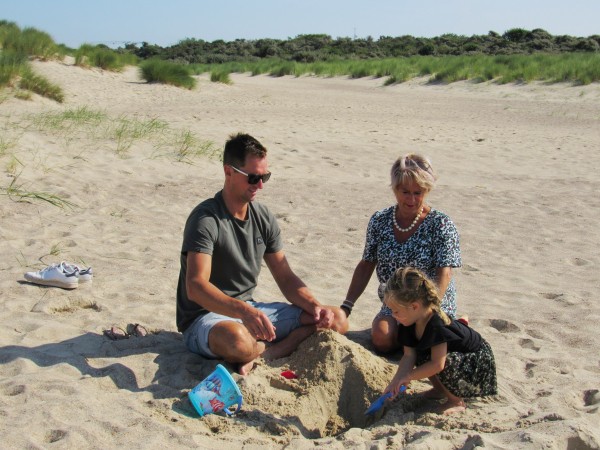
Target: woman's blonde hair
{"x": 413, "y": 167}
{"x": 409, "y": 285}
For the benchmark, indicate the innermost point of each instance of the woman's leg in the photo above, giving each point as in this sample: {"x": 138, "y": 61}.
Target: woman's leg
{"x": 384, "y": 334}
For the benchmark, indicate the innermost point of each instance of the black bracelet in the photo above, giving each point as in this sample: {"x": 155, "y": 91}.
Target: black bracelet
{"x": 347, "y": 305}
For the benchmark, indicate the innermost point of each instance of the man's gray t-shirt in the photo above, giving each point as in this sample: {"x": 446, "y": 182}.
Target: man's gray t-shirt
{"x": 237, "y": 248}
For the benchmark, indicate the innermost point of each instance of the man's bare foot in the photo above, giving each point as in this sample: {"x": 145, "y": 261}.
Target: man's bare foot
{"x": 246, "y": 368}
{"x": 453, "y": 407}
{"x": 433, "y": 394}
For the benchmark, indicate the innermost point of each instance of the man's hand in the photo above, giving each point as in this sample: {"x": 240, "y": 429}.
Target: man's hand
{"x": 323, "y": 317}
{"x": 259, "y": 325}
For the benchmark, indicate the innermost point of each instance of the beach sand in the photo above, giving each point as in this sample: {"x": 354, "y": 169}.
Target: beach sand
{"x": 518, "y": 173}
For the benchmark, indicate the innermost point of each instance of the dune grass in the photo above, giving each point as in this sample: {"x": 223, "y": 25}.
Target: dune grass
{"x": 122, "y": 132}
{"x": 126, "y": 131}
{"x": 158, "y": 71}
{"x": 65, "y": 120}
{"x": 40, "y": 85}
{"x": 103, "y": 57}
{"x": 29, "y": 41}
{"x": 17, "y": 193}
{"x": 219, "y": 76}
{"x": 17, "y": 47}
{"x": 575, "y": 68}
{"x": 11, "y": 65}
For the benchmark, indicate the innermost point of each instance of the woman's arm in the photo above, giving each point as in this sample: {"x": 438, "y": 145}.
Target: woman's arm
{"x": 360, "y": 279}
{"x": 443, "y": 276}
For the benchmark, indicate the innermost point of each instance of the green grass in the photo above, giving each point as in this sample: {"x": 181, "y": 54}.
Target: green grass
{"x": 17, "y": 47}
{"x": 126, "y": 131}
{"x": 122, "y": 132}
{"x": 576, "y": 68}
{"x": 29, "y": 41}
{"x": 188, "y": 146}
{"x": 40, "y": 85}
{"x": 17, "y": 193}
{"x": 67, "y": 119}
{"x": 218, "y": 76}
{"x": 11, "y": 66}
{"x": 157, "y": 71}
{"x": 103, "y": 57}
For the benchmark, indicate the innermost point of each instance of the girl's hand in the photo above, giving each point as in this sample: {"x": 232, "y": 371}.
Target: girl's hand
{"x": 396, "y": 386}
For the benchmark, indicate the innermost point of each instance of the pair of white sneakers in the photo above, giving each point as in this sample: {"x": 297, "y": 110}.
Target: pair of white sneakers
{"x": 63, "y": 275}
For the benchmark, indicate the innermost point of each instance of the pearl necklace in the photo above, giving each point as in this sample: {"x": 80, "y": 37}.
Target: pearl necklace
{"x": 411, "y": 226}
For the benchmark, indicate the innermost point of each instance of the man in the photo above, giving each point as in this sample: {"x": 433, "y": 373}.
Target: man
{"x": 225, "y": 240}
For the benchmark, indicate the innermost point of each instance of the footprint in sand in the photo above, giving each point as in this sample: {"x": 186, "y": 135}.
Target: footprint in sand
{"x": 550, "y": 295}
{"x": 578, "y": 261}
{"x": 529, "y": 370}
{"x": 504, "y": 326}
{"x": 560, "y": 298}
{"x": 60, "y": 306}
{"x": 529, "y": 344}
{"x": 55, "y": 435}
{"x": 591, "y": 400}
{"x": 283, "y": 217}
{"x": 11, "y": 391}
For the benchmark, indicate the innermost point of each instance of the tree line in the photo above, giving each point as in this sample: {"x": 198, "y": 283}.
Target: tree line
{"x": 309, "y": 48}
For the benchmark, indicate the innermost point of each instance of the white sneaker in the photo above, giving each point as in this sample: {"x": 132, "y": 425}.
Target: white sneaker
{"x": 83, "y": 275}
{"x": 55, "y": 275}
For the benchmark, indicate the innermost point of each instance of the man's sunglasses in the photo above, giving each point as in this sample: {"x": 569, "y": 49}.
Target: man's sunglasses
{"x": 253, "y": 178}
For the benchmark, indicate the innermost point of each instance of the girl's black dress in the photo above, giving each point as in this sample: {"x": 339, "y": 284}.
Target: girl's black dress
{"x": 470, "y": 369}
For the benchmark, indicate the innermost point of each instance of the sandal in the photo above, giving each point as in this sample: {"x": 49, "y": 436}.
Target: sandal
{"x": 116, "y": 333}
{"x": 137, "y": 330}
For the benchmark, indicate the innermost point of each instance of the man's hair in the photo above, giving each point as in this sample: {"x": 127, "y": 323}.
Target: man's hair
{"x": 239, "y": 146}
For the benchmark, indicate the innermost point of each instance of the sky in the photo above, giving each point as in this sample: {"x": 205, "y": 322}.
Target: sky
{"x": 166, "y": 22}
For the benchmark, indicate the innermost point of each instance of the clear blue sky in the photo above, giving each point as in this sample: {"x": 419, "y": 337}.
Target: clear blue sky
{"x": 166, "y": 22}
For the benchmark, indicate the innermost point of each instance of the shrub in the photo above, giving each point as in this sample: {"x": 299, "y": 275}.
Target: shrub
{"x": 157, "y": 71}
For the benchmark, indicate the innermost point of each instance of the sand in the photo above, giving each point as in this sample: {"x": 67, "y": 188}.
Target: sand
{"x": 518, "y": 167}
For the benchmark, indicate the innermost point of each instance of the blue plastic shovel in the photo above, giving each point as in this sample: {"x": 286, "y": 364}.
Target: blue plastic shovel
{"x": 378, "y": 404}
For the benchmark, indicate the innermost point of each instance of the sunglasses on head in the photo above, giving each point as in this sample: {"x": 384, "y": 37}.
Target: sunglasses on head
{"x": 253, "y": 178}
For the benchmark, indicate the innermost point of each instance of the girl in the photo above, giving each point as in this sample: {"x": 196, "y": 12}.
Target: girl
{"x": 456, "y": 359}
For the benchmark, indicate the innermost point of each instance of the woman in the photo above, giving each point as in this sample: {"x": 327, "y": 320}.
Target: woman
{"x": 407, "y": 234}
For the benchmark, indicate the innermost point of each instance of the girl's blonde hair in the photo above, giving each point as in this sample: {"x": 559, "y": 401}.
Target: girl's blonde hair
{"x": 413, "y": 167}
{"x": 410, "y": 285}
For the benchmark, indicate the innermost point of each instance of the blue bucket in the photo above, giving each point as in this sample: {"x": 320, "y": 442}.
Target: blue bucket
{"x": 215, "y": 393}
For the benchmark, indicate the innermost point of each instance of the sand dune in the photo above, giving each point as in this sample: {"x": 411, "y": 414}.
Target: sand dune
{"x": 518, "y": 168}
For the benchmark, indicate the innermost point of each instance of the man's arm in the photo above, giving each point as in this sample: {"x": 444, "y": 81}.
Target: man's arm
{"x": 291, "y": 286}
{"x": 200, "y": 290}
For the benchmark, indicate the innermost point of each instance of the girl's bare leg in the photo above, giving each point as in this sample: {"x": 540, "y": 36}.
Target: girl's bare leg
{"x": 454, "y": 404}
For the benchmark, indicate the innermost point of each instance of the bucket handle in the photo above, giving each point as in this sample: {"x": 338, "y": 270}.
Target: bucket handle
{"x": 239, "y": 406}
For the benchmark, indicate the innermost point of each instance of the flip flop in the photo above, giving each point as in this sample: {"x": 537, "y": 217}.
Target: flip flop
{"x": 116, "y": 333}
{"x": 137, "y": 330}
